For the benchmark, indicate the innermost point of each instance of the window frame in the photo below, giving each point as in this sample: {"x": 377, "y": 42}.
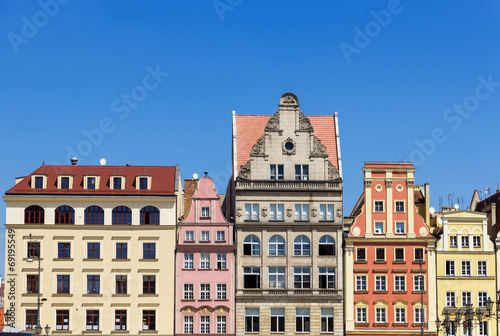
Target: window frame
{"x": 188, "y": 291}
{"x": 301, "y": 212}
{"x": 121, "y": 284}
{"x": 62, "y": 319}
{"x": 277, "y": 212}
{"x": 302, "y": 277}
{"x": 325, "y": 244}
{"x": 277, "y": 320}
{"x": 251, "y": 243}
{"x": 149, "y": 319}
{"x": 149, "y": 251}
{"x": 92, "y": 316}
{"x": 301, "y": 172}
{"x": 205, "y": 261}
{"x": 327, "y": 277}
{"x": 188, "y": 261}
{"x": 302, "y": 320}
{"x": 120, "y": 319}
{"x": 252, "y": 319}
{"x": 302, "y": 246}
{"x": 93, "y": 284}
{"x": 277, "y": 277}
{"x": 149, "y": 284}
{"x": 251, "y": 212}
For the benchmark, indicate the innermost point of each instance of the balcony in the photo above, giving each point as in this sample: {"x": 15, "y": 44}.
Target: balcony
{"x": 289, "y": 293}
{"x": 277, "y": 185}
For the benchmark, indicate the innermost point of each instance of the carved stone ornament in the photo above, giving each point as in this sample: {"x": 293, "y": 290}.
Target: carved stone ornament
{"x": 259, "y": 148}
{"x": 245, "y": 172}
{"x": 409, "y": 183}
{"x": 314, "y": 212}
{"x": 288, "y": 147}
{"x": 423, "y": 231}
{"x": 289, "y": 212}
{"x": 239, "y": 212}
{"x": 388, "y": 184}
{"x": 356, "y": 231}
{"x": 273, "y": 123}
{"x": 318, "y": 150}
{"x": 333, "y": 172}
{"x": 289, "y": 99}
{"x": 305, "y": 123}
{"x": 264, "y": 212}
{"x": 339, "y": 212}
{"x": 368, "y": 183}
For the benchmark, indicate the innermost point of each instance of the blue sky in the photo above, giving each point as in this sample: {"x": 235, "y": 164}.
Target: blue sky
{"x": 410, "y": 80}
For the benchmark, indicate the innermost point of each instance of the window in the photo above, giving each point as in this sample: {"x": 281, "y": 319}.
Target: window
{"x": 302, "y": 172}
{"x": 450, "y": 267}
{"x": 62, "y": 319}
{"x": 205, "y": 236}
{"x": 326, "y": 212}
{"x": 466, "y": 298}
{"x": 31, "y": 319}
{"x": 148, "y": 320}
{"x": 379, "y": 206}
{"x": 189, "y": 236}
{"x": 93, "y": 250}
{"x": 380, "y": 315}
{"x": 121, "y": 250}
{"x": 276, "y": 172}
{"x": 252, "y": 320}
{"x": 301, "y": 277}
{"x": 34, "y": 214}
{"x": 476, "y": 241}
{"x": 380, "y": 283}
{"x": 117, "y": 182}
{"x": 93, "y": 284}
{"x": 380, "y": 254}
{"x": 483, "y": 328}
{"x": 221, "y": 292}
{"x": 188, "y": 292}
{"x": 64, "y": 182}
{"x": 251, "y": 277}
{"x": 301, "y": 212}
{"x": 360, "y": 254}
{"x": 63, "y": 284}
{"x": 205, "y": 292}
{"x": 38, "y": 182}
{"x": 148, "y": 284}
{"x": 64, "y": 250}
{"x": 277, "y": 277}
{"x": 94, "y": 215}
{"x": 143, "y": 183}
{"x": 221, "y": 261}
{"x": 326, "y": 245}
{"x": 150, "y": 215}
{"x": 465, "y": 241}
{"x": 65, "y": 215}
{"x": 453, "y": 241}
{"x": 400, "y": 206}
{"x": 361, "y": 315}
{"x": 482, "y": 297}
{"x": 205, "y": 212}
{"x": 418, "y": 283}
{"x": 92, "y": 320}
{"x": 33, "y": 249}
{"x": 32, "y": 283}
{"x": 188, "y": 324}
{"x": 450, "y": 299}
{"x": 482, "y": 269}
{"x": 252, "y": 212}
{"x": 122, "y": 215}
{"x": 204, "y": 324}
{"x": 302, "y": 320}
{"x": 221, "y": 236}
{"x": 327, "y": 277}
{"x": 90, "y": 182}
{"x": 276, "y": 246}
{"x": 188, "y": 261}
{"x": 205, "y": 260}
{"x": 326, "y": 319}
{"x": 361, "y": 282}
{"x": 277, "y": 319}
{"x": 120, "y": 320}
{"x": 400, "y": 227}
{"x": 251, "y": 245}
{"x": 400, "y": 315}
{"x": 399, "y": 283}
{"x": 379, "y": 227}
{"x": 301, "y": 246}
{"x": 149, "y": 251}
{"x": 121, "y": 284}
{"x": 221, "y": 324}
{"x": 466, "y": 268}
{"x": 419, "y": 254}
{"x": 419, "y": 315}
{"x": 399, "y": 254}
{"x": 277, "y": 212}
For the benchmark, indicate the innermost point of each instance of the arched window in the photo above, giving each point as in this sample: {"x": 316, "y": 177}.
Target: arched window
{"x": 34, "y": 214}
{"x": 94, "y": 215}
{"x": 326, "y": 245}
{"x": 65, "y": 215}
{"x": 277, "y": 246}
{"x": 301, "y": 246}
{"x": 150, "y": 215}
{"x": 122, "y": 215}
{"x": 251, "y": 245}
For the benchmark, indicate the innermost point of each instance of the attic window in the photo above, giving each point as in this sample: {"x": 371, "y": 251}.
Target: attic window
{"x": 91, "y": 182}
{"x": 117, "y": 182}
{"x": 65, "y": 181}
{"x": 39, "y": 181}
{"x": 143, "y": 182}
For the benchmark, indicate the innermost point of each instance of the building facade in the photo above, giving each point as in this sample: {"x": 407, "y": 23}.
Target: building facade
{"x": 286, "y": 199}
{"x": 386, "y": 285}
{"x": 205, "y": 275}
{"x": 102, "y": 239}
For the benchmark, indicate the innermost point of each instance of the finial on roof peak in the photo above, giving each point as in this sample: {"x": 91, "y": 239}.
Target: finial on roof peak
{"x": 289, "y": 99}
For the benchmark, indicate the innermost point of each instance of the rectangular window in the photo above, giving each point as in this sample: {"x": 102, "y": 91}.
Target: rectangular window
{"x": 188, "y": 261}
{"x": 302, "y": 172}
{"x": 120, "y": 320}
{"x": 360, "y": 254}
{"x": 64, "y": 250}
{"x": 92, "y": 320}
{"x": 62, "y": 319}
{"x": 482, "y": 297}
{"x": 326, "y": 212}
{"x": 189, "y": 236}
{"x": 380, "y": 315}
{"x": 465, "y": 241}
{"x": 400, "y": 206}
{"x": 380, "y": 254}
{"x": 221, "y": 236}
{"x": 205, "y": 260}
{"x": 33, "y": 249}
{"x": 466, "y": 298}
{"x": 149, "y": 251}
{"x": 63, "y": 284}
{"x": 380, "y": 283}
{"x": 361, "y": 315}
{"x": 277, "y": 212}
{"x": 64, "y": 182}
{"x": 117, "y": 182}
{"x": 148, "y": 284}
{"x": 450, "y": 267}
{"x": 466, "y": 268}
{"x": 301, "y": 277}
{"x": 476, "y": 241}
{"x": 121, "y": 284}
{"x": 399, "y": 283}
{"x": 188, "y": 292}
{"x": 419, "y": 315}
{"x": 205, "y": 212}
{"x": 302, "y": 320}
{"x": 31, "y": 319}
{"x": 277, "y": 277}
{"x": 252, "y": 320}
{"x": 453, "y": 241}
{"x": 418, "y": 283}
{"x": 148, "y": 320}
{"x": 251, "y": 277}
{"x": 221, "y": 292}
{"x": 221, "y": 261}
{"x": 399, "y": 254}
{"x": 93, "y": 250}
{"x": 400, "y": 227}
{"x": 482, "y": 268}
{"x": 327, "y": 277}
{"x": 121, "y": 250}
{"x": 205, "y": 236}
{"x": 204, "y": 291}
{"x": 143, "y": 183}
{"x": 93, "y": 284}
{"x": 251, "y": 211}
{"x": 379, "y": 227}
{"x": 483, "y": 327}
{"x": 361, "y": 282}
{"x": 278, "y": 320}
{"x": 276, "y": 172}
{"x": 32, "y": 283}
{"x": 418, "y": 254}
{"x": 301, "y": 212}
{"x": 450, "y": 299}
{"x": 204, "y": 324}
{"x": 221, "y": 324}
{"x": 379, "y": 206}
{"x": 400, "y": 315}
{"x": 326, "y": 319}
{"x": 188, "y": 324}
{"x": 38, "y": 182}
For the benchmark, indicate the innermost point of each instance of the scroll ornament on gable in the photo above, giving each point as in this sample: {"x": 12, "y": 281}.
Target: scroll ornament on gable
{"x": 318, "y": 150}
{"x": 273, "y": 123}
{"x": 244, "y": 173}
{"x": 305, "y": 123}
{"x": 333, "y": 172}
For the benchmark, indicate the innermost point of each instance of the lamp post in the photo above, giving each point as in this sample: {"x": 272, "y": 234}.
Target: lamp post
{"x": 468, "y": 315}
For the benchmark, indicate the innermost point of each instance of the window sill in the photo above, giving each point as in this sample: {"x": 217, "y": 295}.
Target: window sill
{"x": 120, "y": 259}
{"x": 276, "y": 221}
{"x": 221, "y": 269}
{"x": 205, "y": 300}
{"x": 221, "y": 299}
{"x": 362, "y": 324}
{"x": 400, "y": 324}
{"x": 148, "y": 259}
{"x": 120, "y": 295}
{"x": 204, "y": 269}
{"x": 65, "y": 331}
{"x": 148, "y": 331}
{"x": 399, "y": 262}
{"x": 62, "y": 295}
{"x": 380, "y": 324}
{"x": 120, "y": 331}
{"x": 148, "y": 295}
{"x": 361, "y": 262}
{"x": 189, "y": 242}
{"x": 91, "y": 331}
{"x": 32, "y": 259}
{"x": 220, "y": 241}
{"x": 251, "y": 221}
{"x": 400, "y": 292}
{"x": 380, "y": 262}
{"x": 92, "y": 295}
{"x": 204, "y": 217}
{"x": 380, "y": 292}
{"x": 418, "y": 262}
{"x": 31, "y": 294}
{"x": 63, "y": 259}
{"x": 360, "y": 292}
{"x": 301, "y": 220}
{"x": 205, "y": 241}
{"x": 418, "y": 324}
{"x": 418, "y": 292}
{"x": 187, "y": 300}
{"x": 188, "y": 269}
{"x": 92, "y": 259}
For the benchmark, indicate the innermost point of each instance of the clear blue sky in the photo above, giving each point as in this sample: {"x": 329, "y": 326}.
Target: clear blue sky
{"x": 416, "y": 80}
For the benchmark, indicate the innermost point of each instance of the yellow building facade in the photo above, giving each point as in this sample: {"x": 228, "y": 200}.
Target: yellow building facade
{"x": 465, "y": 259}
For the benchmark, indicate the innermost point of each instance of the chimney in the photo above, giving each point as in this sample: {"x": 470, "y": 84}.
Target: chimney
{"x": 74, "y": 161}
{"x": 190, "y": 186}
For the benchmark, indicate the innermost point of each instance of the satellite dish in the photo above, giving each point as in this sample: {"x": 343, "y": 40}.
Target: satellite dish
{"x": 457, "y": 206}
{"x": 432, "y": 210}
{"x": 440, "y": 221}
{"x": 102, "y": 161}
{"x": 195, "y": 176}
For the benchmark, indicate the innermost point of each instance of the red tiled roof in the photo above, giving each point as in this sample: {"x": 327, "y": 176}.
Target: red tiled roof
{"x": 162, "y": 181}
{"x": 249, "y": 128}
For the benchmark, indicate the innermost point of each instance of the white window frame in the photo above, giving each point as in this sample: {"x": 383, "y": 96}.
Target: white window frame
{"x": 452, "y": 264}
{"x": 418, "y": 283}
{"x": 453, "y": 241}
{"x": 476, "y": 241}
{"x": 278, "y": 320}
{"x": 399, "y": 315}
{"x": 221, "y": 261}
{"x": 378, "y": 227}
{"x": 326, "y": 212}
{"x": 221, "y": 291}
{"x": 188, "y": 324}
{"x": 277, "y": 277}
{"x": 204, "y": 324}
{"x": 396, "y": 206}
{"x": 482, "y": 268}
{"x": 205, "y": 236}
{"x": 221, "y": 324}
{"x": 397, "y": 227}
{"x": 221, "y": 236}
{"x": 189, "y": 236}
{"x": 448, "y": 297}
{"x": 205, "y": 291}
{"x": 361, "y": 314}
{"x": 205, "y": 212}
{"x": 399, "y": 283}
{"x": 380, "y": 283}
{"x": 205, "y": 261}
{"x": 361, "y": 283}
{"x": 465, "y": 268}
{"x": 482, "y": 297}
{"x": 277, "y": 212}
{"x": 417, "y": 313}
{"x": 188, "y": 291}
{"x": 251, "y": 211}
{"x": 465, "y": 241}
{"x": 188, "y": 261}
{"x": 380, "y": 314}
{"x": 377, "y": 204}
{"x": 327, "y": 319}
{"x": 300, "y": 313}
{"x": 466, "y": 296}
{"x": 301, "y": 212}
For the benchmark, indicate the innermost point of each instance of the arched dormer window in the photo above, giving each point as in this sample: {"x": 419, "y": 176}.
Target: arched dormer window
{"x": 34, "y": 214}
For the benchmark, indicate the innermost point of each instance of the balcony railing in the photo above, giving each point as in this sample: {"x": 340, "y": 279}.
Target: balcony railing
{"x": 289, "y": 292}
{"x": 287, "y": 185}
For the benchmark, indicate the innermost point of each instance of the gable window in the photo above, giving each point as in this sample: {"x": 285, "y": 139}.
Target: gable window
{"x": 380, "y": 254}
{"x": 326, "y": 212}
{"x": 301, "y": 212}
{"x": 143, "y": 183}
{"x": 251, "y": 245}
{"x": 38, "y": 182}
{"x": 205, "y": 212}
{"x": 150, "y": 215}
{"x": 399, "y": 254}
{"x": 64, "y": 182}
{"x": 453, "y": 241}
{"x": 251, "y": 277}
{"x": 301, "y": 277}
{"x": 91, "y": 182}
{"x": 450, "y": 267}
{"x": 302, "y": 172}
{"x": 465, "y": 241}
{"x": 379, "y": 206}
{"x": 277, "y": 277}
{"x": 122, "y": 215}
{"x": 276, "y": 246}
{"x": 94, "y": 215}
{"x": 400, "y": 227}
{"x": 251, "y": 211}
{"x": 276, "y": 172}
{"x": 399, "y": 206}
{"x": 327, "y": 277}
{"x": 301, "y": 246}
{"x": 277, "y": 212}
{"x": 360, "y": 254}
{"x": 34, "y": 214}
{"x": 65, "y": 215}
{"x": 326, "y": 245}
{"x": 379, "y": 227}
{"x": 117, "y": 183}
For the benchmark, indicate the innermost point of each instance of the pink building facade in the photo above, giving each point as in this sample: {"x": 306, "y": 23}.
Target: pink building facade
{"x": 205, "y": 267}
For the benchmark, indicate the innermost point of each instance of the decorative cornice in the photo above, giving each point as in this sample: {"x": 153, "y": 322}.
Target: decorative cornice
{"x": 289, "y": 99}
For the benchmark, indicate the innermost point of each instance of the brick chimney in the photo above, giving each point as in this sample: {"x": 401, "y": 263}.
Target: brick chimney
{"x": 190, "y": 186}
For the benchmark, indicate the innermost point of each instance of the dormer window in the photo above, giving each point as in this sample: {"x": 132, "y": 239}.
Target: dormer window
{"x": 117, "y": 182}
{"x": 38, "y": 182}
{"x": 91, "y": 182}
{"x": 143, "y": 182}
{"x": 205, "y": 212}
{"x": 65, "y": 181}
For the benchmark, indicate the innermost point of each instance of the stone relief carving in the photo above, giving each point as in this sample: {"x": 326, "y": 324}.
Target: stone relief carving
{"x": 368, "y": 183}
{"x": 423, "y": 231}
{"x": 318, "y": 150}
{"x": 289, "y": 212}
{"x": 273, "y": 123}
{"x": 259, "y": 148}
{"x": 388, "y": 184}
{"x": 239, "y": 212}
{"x": 356, "y": 231}
{"x": 289, "y": 99}
{"x": 287, "y": 142}
{"x": 339, "y": 212}
{"x": 333, "y": 172}
{"x": 305, "y": 123}
{"x": 244, "y": 173}
{"x": 314, "y": 212}
{"x": 264, "y": 212}
{"x": 409, "y": 183}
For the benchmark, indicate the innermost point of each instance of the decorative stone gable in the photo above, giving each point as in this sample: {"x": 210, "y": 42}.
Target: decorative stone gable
{"x": 304, "y": 123}
{"x": 318, "y": 149}
{"x": 259, "y": 149}
{"x": 273, "y": 124}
